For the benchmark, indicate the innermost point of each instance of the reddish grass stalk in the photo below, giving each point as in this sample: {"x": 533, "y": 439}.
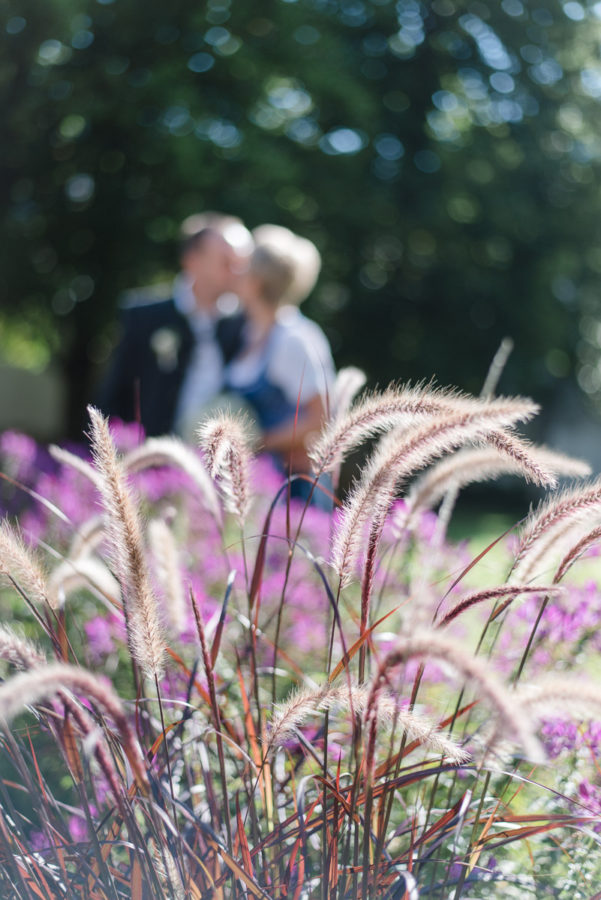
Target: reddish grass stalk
{"x": 511, "y": 592}
{"x": 208, "y": 667}
{"x": 584, "y": 544}
{"x": 31, "y": 687}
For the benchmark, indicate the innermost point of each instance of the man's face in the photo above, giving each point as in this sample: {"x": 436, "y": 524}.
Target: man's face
{"x": 211, "y": 267}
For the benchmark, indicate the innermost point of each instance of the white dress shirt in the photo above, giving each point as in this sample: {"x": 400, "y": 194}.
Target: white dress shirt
{"x": 204, "y": 377}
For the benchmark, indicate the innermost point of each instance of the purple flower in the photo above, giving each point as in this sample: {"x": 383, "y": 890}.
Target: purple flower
{"x": 427, "y": 526}
{"x": 78, "y": 828}
{"x": 101, "y": 632}
{"x": 590, "y": 796}
{"x": 591, "y": 737}
{"x": 20, "y": 453}
{"x": 559, "y": 735}
{"x": 38, "y": 841}
{"x": 126, "y": 435}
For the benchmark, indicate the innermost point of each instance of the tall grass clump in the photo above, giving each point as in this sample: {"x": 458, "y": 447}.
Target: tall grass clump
{"x": 214, "y": 691}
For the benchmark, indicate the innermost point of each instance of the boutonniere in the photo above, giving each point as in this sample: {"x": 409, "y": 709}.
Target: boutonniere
{"x": 165, "y": 344}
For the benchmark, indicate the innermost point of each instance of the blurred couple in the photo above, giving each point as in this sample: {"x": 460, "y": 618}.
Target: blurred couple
{"x": 231, "y": 335}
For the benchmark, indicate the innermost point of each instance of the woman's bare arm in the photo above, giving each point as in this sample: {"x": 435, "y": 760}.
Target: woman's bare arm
{"x": 294, "y": 437}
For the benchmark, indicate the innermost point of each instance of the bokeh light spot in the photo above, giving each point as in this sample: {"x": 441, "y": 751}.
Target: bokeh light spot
{"x": 201, "y": 62}
{"x": 389, "y": 147}
{"x": 344, "y": 141}
{"x": 80, "y": 188}
{"x": 72, "y": 126}
{"x": 15, "y": 25}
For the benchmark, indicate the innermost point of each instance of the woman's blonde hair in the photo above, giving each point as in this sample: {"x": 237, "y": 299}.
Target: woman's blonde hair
{"x": 297, "y": 253}
{"x": 275, "y": 272}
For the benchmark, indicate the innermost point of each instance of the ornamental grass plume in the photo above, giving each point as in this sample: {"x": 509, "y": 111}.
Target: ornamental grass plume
{"x": 75, "y": 462}
{"x": 349, "y": 382}
{"x": 18, "y": 650}
{"x": 89, "y": 572}
{"x": 507, "y": 592}
{"x": 88, "y": 537}
{"x": 376, "y": 413}
{"x": 478, "y": 464}
{"x": 576, "y": 552}
{"x": 520, "y": 452}
{"x": 552, "y": 524}
{"x": 21, "y": 564}
{"x": 171, "y": 451}
{"x": 225, "y": 441}
{"x": 397, "y": 457}
{"x": 43, "y": 682}
{"x": 512, "y": 721}
{"x": 144, "y": 632}
{"x": 353, "y": 700}
{"x": 169, "y": 874}
{"x": 345, "y": 787}
{"x": 558, "y": 695}
{"x": 541, "y": 558}
{"x": 167, "y": 567}
{"x": 23, "y": 654}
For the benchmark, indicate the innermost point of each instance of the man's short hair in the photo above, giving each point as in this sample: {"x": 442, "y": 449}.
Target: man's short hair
{"x": 195, "y": 228}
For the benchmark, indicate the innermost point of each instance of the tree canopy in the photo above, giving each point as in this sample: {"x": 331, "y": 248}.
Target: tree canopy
{"x": 444, "y": 156}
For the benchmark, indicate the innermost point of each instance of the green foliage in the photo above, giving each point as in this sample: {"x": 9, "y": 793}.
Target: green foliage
{"x": 443, "y": 156}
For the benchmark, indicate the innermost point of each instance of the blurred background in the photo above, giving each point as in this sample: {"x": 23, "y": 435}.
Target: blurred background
{"x": 444, "y": 156}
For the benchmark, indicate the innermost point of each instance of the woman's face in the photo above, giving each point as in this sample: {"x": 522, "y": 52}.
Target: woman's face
{"x": 248, "y": 289}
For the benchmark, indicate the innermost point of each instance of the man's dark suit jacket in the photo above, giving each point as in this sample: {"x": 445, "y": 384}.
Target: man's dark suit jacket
{"x": 151, "y": 360}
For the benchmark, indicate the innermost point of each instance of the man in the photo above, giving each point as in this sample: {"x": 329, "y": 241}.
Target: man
{"x": 169, "y": 362}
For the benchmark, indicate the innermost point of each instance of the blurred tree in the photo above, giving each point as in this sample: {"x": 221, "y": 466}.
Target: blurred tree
{"x": 445, "y": 157}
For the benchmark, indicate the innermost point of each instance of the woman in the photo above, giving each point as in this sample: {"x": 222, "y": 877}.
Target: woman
{"x": 285, "y": 372}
